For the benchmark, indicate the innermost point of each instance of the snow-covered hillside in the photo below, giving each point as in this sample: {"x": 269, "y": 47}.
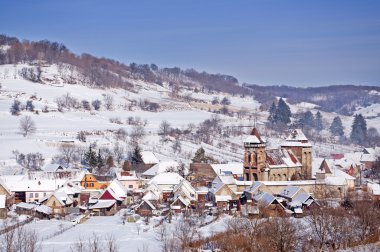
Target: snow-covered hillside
{"x": 180, "y": 110}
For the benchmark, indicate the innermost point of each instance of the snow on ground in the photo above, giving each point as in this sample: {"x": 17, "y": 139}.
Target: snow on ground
{"x": 127, "y": 235}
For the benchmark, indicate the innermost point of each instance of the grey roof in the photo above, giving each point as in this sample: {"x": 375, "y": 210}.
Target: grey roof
{"x": 289, "y": 191}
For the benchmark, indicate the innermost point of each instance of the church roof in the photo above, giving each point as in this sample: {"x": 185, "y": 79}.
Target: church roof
{"x": 254, "y": 137}
{"x": 281, "y": 158}
{"x": 297, "y": 135}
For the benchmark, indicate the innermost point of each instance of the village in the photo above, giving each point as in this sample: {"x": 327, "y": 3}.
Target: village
{"x": 284, "y": 182}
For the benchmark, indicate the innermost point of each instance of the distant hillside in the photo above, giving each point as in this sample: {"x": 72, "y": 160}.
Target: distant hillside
{"x": 341, "y": 99}
{"x": 102, "y": 72}
{"x": 89, "y": 70}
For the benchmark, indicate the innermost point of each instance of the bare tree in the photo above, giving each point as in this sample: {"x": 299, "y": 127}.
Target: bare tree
{"x": 111, "y": 244}
{"x": 137, "y": 134}
{"x": 95, "y": 244}
{"x": 79, "y": 246}
{"x": 118, "y": 152}
{"x": 68, "y": 154}
{"x": 108, "y": 101}
{"x": 19, "y": 239}
{"x": 27, "y": 126}
{"x": 164, "y": 128}
{"x": 280, "y": 234}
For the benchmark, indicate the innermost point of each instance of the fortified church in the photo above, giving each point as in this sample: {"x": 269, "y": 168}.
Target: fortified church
{"x": 292, "y": 161}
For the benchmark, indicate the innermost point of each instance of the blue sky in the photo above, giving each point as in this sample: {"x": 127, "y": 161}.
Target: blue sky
{"x": 268, "y": 42}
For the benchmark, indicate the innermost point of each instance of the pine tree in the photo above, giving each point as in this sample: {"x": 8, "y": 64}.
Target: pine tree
{"x": 336, "y": 127}
{"x": 283, "y": 112}
{"x": 90, "y": 158}
{"x": 200, "y": 156}
{"x": 16, "y": 107}
{"x": 99, "y": 160}
{"x": 272, "y": 118}
{"x": 318, "y": 123}
{"x": 29, "y": 105}
{"x": 307, "y": 120}
{"x": 136, "y": 156}
{"x": 359, "y": 130}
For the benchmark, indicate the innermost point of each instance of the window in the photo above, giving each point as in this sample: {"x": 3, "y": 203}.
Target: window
{"x": 44, "y": 194}
{"x": 31, "y": 195}
{"x": 36, "y": 195}
{"x": 92, "y": 184}
{"x": 130, "y": 186}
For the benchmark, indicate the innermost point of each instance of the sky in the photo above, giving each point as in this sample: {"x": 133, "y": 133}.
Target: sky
{"x": 266, "y": 42}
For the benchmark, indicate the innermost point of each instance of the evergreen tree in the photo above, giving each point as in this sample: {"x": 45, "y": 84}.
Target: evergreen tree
{"x": 200, "y": 156}
{"x": 307, "y": 120}
{"x": 90, "y": 158}
{"x": 318, "y": 124}
{"x": 16, "y": 107}
{"x": 99, "y": 160}
{"x": 29, "y": 105}
{"x": 272, "y": 118}
{"x": 283, "y": 112}
{"x": 336, "y": 127}
{"x": 136, "y": 156}
{"x": 359, "y": 130}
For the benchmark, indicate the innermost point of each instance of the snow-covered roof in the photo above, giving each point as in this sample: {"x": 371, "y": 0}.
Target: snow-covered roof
{"x": 216, "y": 186}
{"x": 225, "y": 179}
{"x": 103, "y": 204}
{"x": 373, "y": 188}
{"x": 279, "y": 158}
{"x": 148, "y": 203}
{"x": 254, "y": 187}
{"x": 264, "y": 199}
{"x": 336, "y": 181}
{"x": 150, "y": 196}
{"x": 51, "y": 167}
{"x": 234, "y": 168}
{"x": 289, "y": 191}
{"x": 26, "y": 205}
{"x": 131, "y": 177}
{"x": 2, "y": 201}
{"x": 149, "y": 157}
{"x": 44, "y": 209}
{"x": 118, "y": 189}
{"x": 184, "y": 200}
{"x": 21, "y": 183}
{"x": 161, "y": 167}
{"x": 296, "y": 135}
{"x": 63, "y": 197}
{"x": 315, "y": 165}
{"x": 254, "y": 138}
{"x": 302, "y": 197}
{"x": 166, "y": 178}
{"x": 185, "y": 189}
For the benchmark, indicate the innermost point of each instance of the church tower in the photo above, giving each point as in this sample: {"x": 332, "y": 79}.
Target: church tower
{"x": 255, "y": 158}
{"x": 300, "y": 146}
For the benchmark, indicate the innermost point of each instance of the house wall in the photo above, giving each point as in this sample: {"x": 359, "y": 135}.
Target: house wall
{"x": 90, "y": 182}
{"x": 8, "y": 198}
{"x": 36, "y": 196}
{"x": 54, "y": 203}
{"x": 283, "y": 174}
{"x": 132, "y": 184}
